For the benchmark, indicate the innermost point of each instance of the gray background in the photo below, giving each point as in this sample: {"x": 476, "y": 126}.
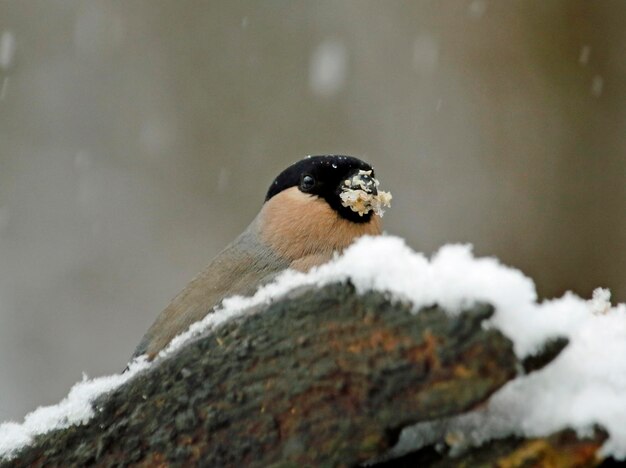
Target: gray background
{"x": 137, "y": 138}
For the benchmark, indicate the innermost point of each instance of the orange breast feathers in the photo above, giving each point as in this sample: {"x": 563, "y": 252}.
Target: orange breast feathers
{"x": 305, "y": 230}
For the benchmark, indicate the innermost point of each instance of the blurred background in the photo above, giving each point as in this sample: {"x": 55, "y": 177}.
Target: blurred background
{"x": 138, "y": 138}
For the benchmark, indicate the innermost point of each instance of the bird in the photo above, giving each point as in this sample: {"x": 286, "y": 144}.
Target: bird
{"x": 317, "y": 206}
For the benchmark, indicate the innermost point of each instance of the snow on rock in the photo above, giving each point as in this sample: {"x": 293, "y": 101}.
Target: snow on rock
{"x": 600, "y": 301}
{"x": 585, "y": 385}
{"x": 75, "y": 408}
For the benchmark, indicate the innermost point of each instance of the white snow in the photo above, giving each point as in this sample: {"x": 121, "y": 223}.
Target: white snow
{"x": 75, "y": 408}
{"x": 157, "y": 136}
{"x": 600, "y": 301}
{"x": 3, "y": 88}
{"x": 7, "y": 49}
{"x": 477, "y": 9}
{"x": 597, "y": 86}
{"x": 223, "y": 180}
{"x": 328, "y": 68}
{"x": 583, "y": 386}
{"x": 586, "y": 383}
{"x": 585, "y": 53}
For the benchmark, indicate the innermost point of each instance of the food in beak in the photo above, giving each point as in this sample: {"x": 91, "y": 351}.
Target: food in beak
{"x": 360, "y": 193}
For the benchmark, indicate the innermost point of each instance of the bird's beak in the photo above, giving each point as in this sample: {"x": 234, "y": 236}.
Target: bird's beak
{"x": 360, "y": 193}
{"x": 365, "y": 182}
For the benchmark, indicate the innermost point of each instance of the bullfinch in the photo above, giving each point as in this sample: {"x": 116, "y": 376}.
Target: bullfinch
{"x": 315, "y": 207}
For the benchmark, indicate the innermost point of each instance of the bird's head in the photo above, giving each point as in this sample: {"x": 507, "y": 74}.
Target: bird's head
{"x": 347, "y": 184}
{"x": 318, "y": 206}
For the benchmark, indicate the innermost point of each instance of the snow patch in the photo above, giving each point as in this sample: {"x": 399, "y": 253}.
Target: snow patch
{"x": 600, "y": 301}
{"x": 75, "y": 408}
{"x": 7, "y": 49}
{"x": 585, "y": 53}
{"x": 328, "y": 68}
{"x": 477, "y": 9}
{"x": 3, "y": 88}
{"x": 223, "y": 180}
{"x": 597, "y": 86}
{"x": 585, "y": 385}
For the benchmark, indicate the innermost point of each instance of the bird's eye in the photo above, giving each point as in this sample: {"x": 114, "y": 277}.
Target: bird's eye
{"x": 307, "y": 182}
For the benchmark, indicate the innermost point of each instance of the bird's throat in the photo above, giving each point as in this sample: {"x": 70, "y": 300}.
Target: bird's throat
{"x": 305, "y": 230}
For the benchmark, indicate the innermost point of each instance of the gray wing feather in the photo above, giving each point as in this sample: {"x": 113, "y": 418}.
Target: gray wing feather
{"x": 239, "y": 269}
